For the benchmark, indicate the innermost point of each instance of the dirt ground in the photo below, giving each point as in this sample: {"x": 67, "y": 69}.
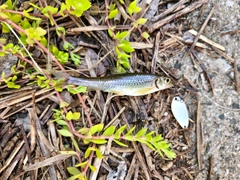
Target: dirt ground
{"x": 220, "y": 113}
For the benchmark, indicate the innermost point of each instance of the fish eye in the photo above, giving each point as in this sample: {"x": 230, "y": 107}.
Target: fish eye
{"x": 167, "y": 80}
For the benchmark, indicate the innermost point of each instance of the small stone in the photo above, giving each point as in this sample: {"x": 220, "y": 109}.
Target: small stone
{"x": 229, "y": 101}
{"x": 229, "y": 3}
{"x": 177, "y": 65}
{"x": 233, "y": 121}
{"x": 165, "y": 114}
{"x": 221, "y": 116}
{"x": 220, "y": 65}
{"x": 235, "y": 106}
{"x": 238, "y": 68}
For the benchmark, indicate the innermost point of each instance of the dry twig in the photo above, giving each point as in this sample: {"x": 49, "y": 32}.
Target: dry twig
{"x": 236, "y": 75}
{"x": 199, "y": 33}
{"x": 198, "y": 133}
{"x": 184, "y": 11}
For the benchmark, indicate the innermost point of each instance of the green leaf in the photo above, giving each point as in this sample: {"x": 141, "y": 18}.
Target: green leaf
{"x": 65, "y": 132}
{"x": 77, "y": 7}
{"x": 54, "y": 49}
{"x": 63, "y": 104}
{"x": 41, "y": 77}
{"x": 142, "y": 132}
{"x": 2, "y": 54}
{"x": 92, "y": 168}
{"x": 75, "y": 144}
{"x": 14, "y": 78}
{"x": 98, "y": 141}
{"x": 150, "y": 146}
{"x": 129, "y": 138}
{"x": 40, "y": 32}
{"x": 69, "y": 116}
{"x": 83, "y": 130}
{"x": 16, "y": 18}
{"x": 125, "y": 63}
{"x": 9, "y": 5}
{"x": 66, "y": 45}
{"x": 13, "y": 85}
{"x": 49, "y": 10}
{"x": 109, "y": 131}
{"x": 86, "y": 141}
{"x": 122, "y": 55}
{"x": 99, "y": 154}
{"x": 5, "y": 29}
{"x": 37, "y": 7}
{"x": 148, "y": 137}
{"x": 125, "y": 46}
{"x": 120, "y": 143}
{"x": 4, "y": 15}
{"x": 73, "y": 170}
{"x": 121, "y": 1}
{"x": 44, "y": 41}
{"x": 76, "y": 115}
{"x": 169, "y": 153}
{"x": 26, "y": 14}
{"x": 60, "y": 30}
{"x": 112, "y": 7}
{"x": 110, "y": 32}
{"x": 71, "y": 88}
{"x": 75, "y": 58}
{"x": 131, "y": 130}
{"x": 164, "y": 144}
{"x": 96, "y": 128}
{"x": 119, "y": 132}
{"x": 88, "y": 151}
{"x": 141, "y": 21}
{"x": 140, "y": 139}
{"x": 63, "y": 9}
{"x": 61, "y": 122}
{"x": 122, "y": 35}
{"x": 81, "y": 89}
{"x": 133, "y": 8}
{"x": 145, "y": 35}
{"x": 83, "y": 164}
{"x": 120, "y": 69}
{"x": 3, "y": 75}
{"x": 158, "y": 138}
{"x": 113, "y": 14}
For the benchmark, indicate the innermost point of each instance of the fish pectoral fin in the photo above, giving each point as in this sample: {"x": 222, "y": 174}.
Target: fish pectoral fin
{"x": 118, "y": 94}
{"x": 145, "y": 91}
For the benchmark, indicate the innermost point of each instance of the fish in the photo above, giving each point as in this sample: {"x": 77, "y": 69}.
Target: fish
{"x": 130, "y": 84}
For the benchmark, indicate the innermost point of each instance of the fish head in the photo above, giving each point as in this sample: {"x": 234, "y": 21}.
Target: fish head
{"x": 163, "y": 83}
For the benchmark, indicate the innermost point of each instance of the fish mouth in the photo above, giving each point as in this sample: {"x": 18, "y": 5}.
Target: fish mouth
{"x": 170, "y": 85}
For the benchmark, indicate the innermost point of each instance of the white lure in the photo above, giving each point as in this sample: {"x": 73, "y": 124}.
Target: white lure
{"x": 180, "y": 112}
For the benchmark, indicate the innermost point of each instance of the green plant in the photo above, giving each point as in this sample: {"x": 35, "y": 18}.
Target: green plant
{"x": 96, "y": 135}
{"x": 124, "y": 48}
{"x": 11, "y": 78}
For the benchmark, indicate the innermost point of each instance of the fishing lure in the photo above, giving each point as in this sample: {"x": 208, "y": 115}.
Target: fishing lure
{"x": 130, "y": 84}
{"x": 180, "y": 112}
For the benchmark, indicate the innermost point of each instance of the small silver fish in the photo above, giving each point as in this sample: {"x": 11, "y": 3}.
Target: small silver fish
{"x": 130, "y": 84}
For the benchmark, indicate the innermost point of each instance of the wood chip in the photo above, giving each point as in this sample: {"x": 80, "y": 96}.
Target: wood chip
{"x": 198, "y": 133}
{"x": 205, "y": 39}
